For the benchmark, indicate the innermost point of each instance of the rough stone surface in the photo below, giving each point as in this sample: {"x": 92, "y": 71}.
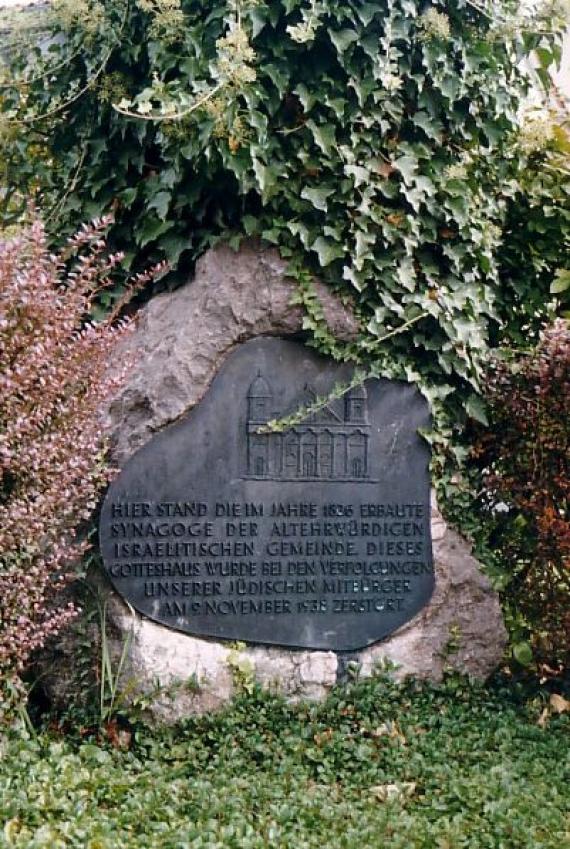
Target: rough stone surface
{"x": 462, "y": 626}
{"x": 197, "y": 675}
{"x": 181, "y": 339}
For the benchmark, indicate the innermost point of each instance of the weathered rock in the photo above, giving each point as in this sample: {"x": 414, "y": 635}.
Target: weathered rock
{"x": 183, "y": 337}
{"x": 197, "y": 675}
{"x": 180, "y": 340}
{"x": 462, "y": 626}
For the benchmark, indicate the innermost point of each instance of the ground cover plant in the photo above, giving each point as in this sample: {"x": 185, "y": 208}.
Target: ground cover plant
{"x": 379, "y": 765}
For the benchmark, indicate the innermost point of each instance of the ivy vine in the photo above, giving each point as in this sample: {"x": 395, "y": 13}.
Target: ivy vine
{"x": 377, "y": 143}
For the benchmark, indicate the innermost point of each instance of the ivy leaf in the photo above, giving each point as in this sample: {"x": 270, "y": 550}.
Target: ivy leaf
{"x": 476, "y": 408}
{"x": 449, "y": 87}
{"x": 361, "y": 175}
{"x": 367, "y": 11}
{"x": 318, "y": 197}
{"x": 306, "y": 97}
{"x": 266, "y": 177}
{"x": 544, "y": 56}
{"x": 522, "y": 653}
{"x": 173, "y": 246}
{"x": 364, "y": 241}
{"x": 259, "y": 17}
{"x": 406, "y": 274}
{"x": 342, "y": 39}
{"x": 337, "y": 104}
{"x": 561, "y": 283}
{"x": 323, "y": 134}
{"x": 297, "y": 228}
{"x": 152, "y": 227}
{"x": 327, "y": 250}
{"x": 260, "y": 122}
{"x": 431, "y": 126}
{"x": 278, "y": 77}
{"x": 160, "y": 201}
{"x": 460, "y": 208}
{"x": 407, "y": 166}
{"x": 250, "y": 224}
{"x": 363, "y": 88}
{"x": 127, "y": 196}
{"x": 354, "y": 277}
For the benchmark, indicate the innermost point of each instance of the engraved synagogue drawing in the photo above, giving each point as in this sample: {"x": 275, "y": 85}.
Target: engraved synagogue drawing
{"x": 330, "y": 444}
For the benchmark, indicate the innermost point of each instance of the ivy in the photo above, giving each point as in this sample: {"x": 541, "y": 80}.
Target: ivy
{"x": 377, "y": 144}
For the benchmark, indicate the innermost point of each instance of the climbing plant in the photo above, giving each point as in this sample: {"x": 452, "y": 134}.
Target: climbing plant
{"x": 379, "y": 144}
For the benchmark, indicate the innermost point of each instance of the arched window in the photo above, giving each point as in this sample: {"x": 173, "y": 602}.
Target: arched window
{"x": 326, "y": 454}
{"x": 357, "y": 468}
{"x": 309, "y": 463}
{"x": 309, "y": 454}
{"x": 292, "y": 454}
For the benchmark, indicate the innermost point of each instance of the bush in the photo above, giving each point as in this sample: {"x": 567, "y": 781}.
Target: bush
{"x": 53, "y": 380}
{"x": 524, "y": 460}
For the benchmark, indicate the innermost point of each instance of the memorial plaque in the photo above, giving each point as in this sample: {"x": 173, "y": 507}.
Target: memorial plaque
{"x": 317, "y": 536}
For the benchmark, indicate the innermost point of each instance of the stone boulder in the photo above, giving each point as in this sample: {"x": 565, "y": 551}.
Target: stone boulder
{"x": 179, "y": 343}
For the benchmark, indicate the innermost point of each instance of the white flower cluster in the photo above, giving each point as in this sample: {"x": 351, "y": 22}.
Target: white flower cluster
{"x": 391, "y": 81}
{"x": 456, "y": 171}
{"x": 492, "y": 235}
{"x": 88, "y": 14}
{"x": 305, "y": 31}
{"x": 435, "y": 24}
{"x": 235, "y": 55}
{"x": 535, "y": 134}
{"x": 167, "y": 18}
{"x": 554, "y": 10}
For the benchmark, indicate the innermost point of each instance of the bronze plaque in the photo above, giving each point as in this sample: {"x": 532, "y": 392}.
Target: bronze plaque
{"x": 317, "y": 536}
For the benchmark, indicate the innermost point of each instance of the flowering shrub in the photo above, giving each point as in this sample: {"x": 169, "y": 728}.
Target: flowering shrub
{"x": 524, "y": 457}
{"x": 53, "y": 380}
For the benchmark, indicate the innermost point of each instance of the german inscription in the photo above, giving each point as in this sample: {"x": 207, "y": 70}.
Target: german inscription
{"x": 317, "y": 536}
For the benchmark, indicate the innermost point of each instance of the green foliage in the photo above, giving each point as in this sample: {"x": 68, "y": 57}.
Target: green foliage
{"x": 380, "y": 764}
{"x": 535, "y": 255}
{"x": 242, "y": 669}
{"x": 373, "y": 142}
{"x": 524, "y": 462}
{"x": 110, "y": 672}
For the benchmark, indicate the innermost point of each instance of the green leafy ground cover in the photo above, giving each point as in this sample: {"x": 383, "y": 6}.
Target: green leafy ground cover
{"x": 461, "y": 766}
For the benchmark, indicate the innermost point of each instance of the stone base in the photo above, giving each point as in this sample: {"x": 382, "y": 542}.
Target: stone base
{"x": 461, "y": 628}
